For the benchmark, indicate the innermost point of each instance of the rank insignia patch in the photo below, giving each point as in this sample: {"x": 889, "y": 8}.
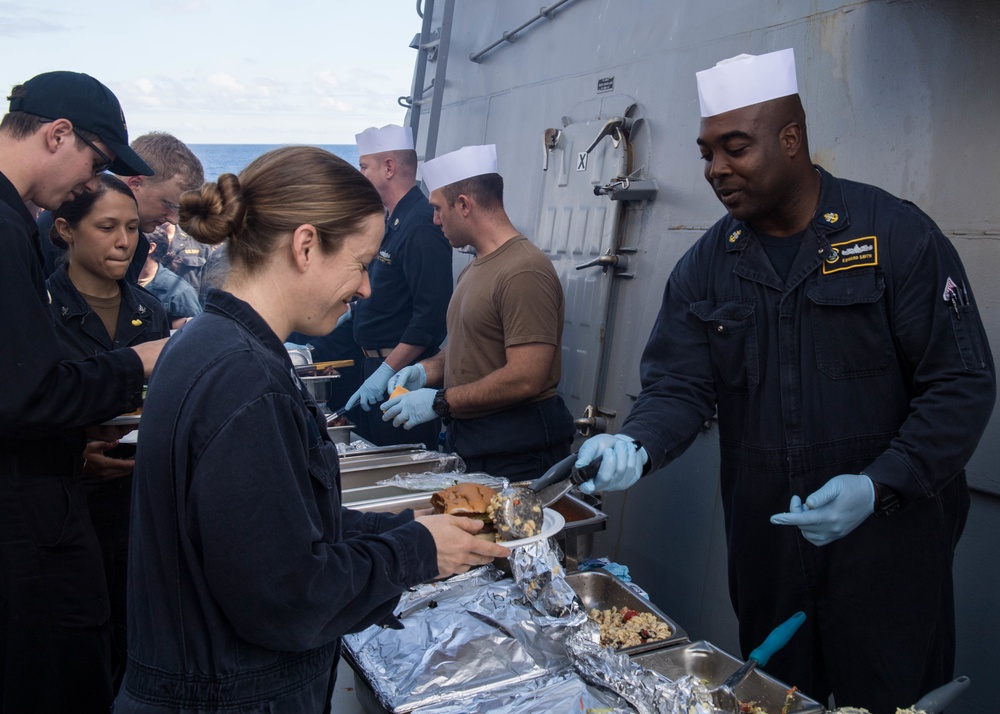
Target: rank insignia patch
{"x": 735, "y": 235}
{"x": 831, "y": 217}
{"x": 857, "y": 253}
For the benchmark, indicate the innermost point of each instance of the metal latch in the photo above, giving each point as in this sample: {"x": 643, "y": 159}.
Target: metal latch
{"x": 617, "y": 261}
{"x": 549, "y": 142}
{"x": 594, "y": 421}
{"x": 617, "y": 128}
{"x": 624, "y": 188}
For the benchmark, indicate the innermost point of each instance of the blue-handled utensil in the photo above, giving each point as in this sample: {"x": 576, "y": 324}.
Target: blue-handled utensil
{"x": 722, "y": 696}
{"x": 936, "y": 700}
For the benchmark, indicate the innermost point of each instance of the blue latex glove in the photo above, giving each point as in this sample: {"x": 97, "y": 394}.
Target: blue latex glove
{"x": 840, "y": 506}
{"x": 622, "y": 464}
{"x": 373, "y": 388}
{"x": 345, "y": 317}
{"x": 410, "y": 409}
{"x": 412, "y": 378}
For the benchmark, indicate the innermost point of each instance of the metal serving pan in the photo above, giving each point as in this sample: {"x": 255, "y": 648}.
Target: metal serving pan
{"x": 366, "y": 468}
{"x": 600, "y": 590}
{"x": 711, "y": 665}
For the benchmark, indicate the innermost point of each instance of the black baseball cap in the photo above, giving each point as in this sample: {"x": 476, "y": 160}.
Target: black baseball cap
{"x": 90, "y": 106}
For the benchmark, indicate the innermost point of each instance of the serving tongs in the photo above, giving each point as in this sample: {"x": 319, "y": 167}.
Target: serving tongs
{"x": 723, "y": 697}
{"x": 519, "y": 501}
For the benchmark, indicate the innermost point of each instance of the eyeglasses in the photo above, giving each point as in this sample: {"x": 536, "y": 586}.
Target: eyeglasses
{"x": 172, "y": 207}
{"x": 105, "y": 159}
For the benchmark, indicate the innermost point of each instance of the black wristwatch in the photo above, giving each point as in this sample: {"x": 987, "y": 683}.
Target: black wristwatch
{"x": 886, "y": 500}
{"x": 440, "y": 405}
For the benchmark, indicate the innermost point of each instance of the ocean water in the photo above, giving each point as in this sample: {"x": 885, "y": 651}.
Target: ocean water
{"x": 219, "y": 159}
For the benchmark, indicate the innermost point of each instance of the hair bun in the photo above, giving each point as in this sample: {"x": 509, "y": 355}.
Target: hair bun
{"x": 214, "y": 212}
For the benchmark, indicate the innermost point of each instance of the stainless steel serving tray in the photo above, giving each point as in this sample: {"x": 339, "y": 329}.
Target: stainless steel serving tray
{"x": 711, "y": 665}
{"x": 600, "y": 590}
{"x": 365, "y": 468}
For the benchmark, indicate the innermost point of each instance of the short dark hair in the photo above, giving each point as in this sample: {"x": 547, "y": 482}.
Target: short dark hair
{"x": 19, "y": 125}
{"x": 161, "y": 247}
{"x": 486, "y": 190}
{"x": 80, "y": 207}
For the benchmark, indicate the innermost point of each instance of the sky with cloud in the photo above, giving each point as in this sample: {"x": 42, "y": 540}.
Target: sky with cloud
{"x": 226, "y": 71}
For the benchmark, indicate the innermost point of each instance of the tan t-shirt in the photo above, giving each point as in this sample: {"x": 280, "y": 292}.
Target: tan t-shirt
{"x": 510, "y": 297}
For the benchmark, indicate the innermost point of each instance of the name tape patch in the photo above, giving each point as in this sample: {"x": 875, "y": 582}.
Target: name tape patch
{"x": 856, "y": 253}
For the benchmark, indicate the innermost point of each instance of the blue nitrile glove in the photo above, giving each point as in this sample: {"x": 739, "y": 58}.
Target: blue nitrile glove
{"x": 410, "y": 409}
{"x": 373, "y": 388}
{"x": 344, "y": 318}
{"x": 410, "y": 378}
{"x": 622, "y": 464}
{"x": 840, "y": 506}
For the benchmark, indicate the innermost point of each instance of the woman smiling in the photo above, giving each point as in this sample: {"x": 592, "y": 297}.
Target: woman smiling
{"x": 245, "y": 569}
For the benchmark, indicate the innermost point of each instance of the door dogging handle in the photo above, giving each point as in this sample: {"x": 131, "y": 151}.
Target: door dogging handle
{"x": 608, "y": 260}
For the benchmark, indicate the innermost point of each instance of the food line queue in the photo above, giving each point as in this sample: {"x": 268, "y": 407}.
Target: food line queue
{"x": 786, "y": 268}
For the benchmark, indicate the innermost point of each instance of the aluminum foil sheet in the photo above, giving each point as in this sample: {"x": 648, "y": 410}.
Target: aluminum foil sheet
{"x": 560, "y": 693}
{"x": 482, "y": 642}
{"x": 469, "y": 635}
{"x": 537, "y": 569}
{"x": 435, "y": 481}
{"x": 647, "y": 691}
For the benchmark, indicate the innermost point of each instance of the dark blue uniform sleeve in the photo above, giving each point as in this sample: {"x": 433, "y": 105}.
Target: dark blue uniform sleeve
{"x": 945, "y": 348}
{"x": 40, "y": 392}
{"x": 427, "y": 268}
{"x": 364, "y": 523}
{"x": 678, "y": 389}
{"x": 273, "y": 560}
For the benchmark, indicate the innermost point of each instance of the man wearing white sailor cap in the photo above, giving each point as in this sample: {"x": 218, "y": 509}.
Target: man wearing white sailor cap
{"x": 411, "y": 277}
{"x": 497, "y": 375}
{"x": 833, "y": 330}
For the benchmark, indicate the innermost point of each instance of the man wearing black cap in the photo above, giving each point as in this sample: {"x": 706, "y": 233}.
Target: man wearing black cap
{"x": 62, "y": 131}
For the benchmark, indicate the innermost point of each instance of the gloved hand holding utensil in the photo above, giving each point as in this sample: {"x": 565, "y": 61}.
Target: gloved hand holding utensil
{"x": 623, "y": 461}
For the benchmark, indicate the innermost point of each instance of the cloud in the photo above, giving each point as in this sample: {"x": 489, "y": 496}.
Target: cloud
{"x": 227, "y": 83}
{"x": 211, "y": 80}
{"x": 15, "y": 22}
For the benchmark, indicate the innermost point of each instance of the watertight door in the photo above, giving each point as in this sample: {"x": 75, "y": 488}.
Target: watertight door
{"x": 575, "y": 227}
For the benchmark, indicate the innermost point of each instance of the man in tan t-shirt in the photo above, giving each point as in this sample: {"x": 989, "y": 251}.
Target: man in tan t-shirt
{"x": 501, "y": 365}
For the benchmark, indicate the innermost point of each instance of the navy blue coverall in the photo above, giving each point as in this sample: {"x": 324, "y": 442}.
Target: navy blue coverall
{"x": 244, "y": 569}
{"x": 53, "y": 648}
{"x": 411, "y": 283}
{"x": 857, "y": 363}
{"x": 81, "y": 334}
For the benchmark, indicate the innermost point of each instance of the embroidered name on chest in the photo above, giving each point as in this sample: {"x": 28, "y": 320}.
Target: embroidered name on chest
{"x": 856, "y": 253}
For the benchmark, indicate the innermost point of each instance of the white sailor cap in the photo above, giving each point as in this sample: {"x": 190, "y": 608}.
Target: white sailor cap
{"x": 465, "y": 163}
{"x": 389, "y": 138}
{"x": 746, "y": 79}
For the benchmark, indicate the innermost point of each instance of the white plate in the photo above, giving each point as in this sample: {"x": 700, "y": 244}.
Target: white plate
{"x": 123, "y": 420}
{"x": 552, "y": 523}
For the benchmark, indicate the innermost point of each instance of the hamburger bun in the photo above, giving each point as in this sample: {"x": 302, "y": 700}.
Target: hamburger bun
{"x": 470, "y": 500}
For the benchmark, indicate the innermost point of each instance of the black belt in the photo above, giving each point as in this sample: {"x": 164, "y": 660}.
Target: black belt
{"x": 380, "y": 353}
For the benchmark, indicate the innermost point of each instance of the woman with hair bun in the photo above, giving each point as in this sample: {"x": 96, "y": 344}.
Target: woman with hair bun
{"x": 245, "y": 570}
